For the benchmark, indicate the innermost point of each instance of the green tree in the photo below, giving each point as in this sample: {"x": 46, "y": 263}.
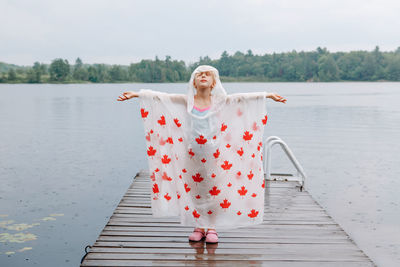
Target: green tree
{"x": 59, "y": 70}
{"x": 348, "y": 64}
{"x": 393, "y": 68}
{"x": 11, "y": 75}
{"x": 79, "y": 73}
{"x": 327, "y": 68}
{"x": 98, "y": 73}
{"x": 116, "y": 73}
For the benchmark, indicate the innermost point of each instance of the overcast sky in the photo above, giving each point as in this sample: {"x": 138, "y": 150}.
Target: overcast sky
{"x": 126, "y": 31}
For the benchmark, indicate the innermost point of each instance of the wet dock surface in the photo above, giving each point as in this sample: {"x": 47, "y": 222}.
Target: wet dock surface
{"x": 296, "y": 231}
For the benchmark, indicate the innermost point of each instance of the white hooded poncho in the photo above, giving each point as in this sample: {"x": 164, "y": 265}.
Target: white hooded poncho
{"x": 207, "y": 169}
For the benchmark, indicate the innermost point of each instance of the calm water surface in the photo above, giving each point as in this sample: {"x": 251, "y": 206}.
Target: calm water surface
{"x": 68, "y": 153}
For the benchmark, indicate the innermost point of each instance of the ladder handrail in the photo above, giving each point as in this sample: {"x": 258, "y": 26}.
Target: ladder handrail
{"x": 271, "y": 141}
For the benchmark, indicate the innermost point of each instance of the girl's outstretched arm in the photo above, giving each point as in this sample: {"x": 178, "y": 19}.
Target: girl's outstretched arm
{"x": 276, "y": 97}
{"x": 255, "y": 95}
{"x": 177, "y": 98}
{"x": 127, "y": 95}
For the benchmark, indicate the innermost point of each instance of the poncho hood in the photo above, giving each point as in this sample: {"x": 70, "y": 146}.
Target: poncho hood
{"x": 218, "y": 93}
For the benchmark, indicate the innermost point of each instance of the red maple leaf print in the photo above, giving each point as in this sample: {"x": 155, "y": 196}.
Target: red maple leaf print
{"x": 215, "y": 191}
{"x": 203, "y": 160}
{"x": 239, "y": 112}
{"x": 255, "y": 127}
{"x": 151, "y": 131}
{"x": 195, "y": 214}
{"x": 254, "y": 195}
{"x": 213, "y": 175}
{"x": 197, "y": 178}
{"x": 253, "y": 213}
{"x": 178, "y": 196}
{"x": 161, "y": 121}
{"x": 153, "y": 177}
{"x": 201, "y": 140}
{"x": 228, "y": 145}
{"x": 242, "y": 191}
{"x": 214, "y": 137}
{"x": 264, "y": 121}
{"x": 187, "y": 188}
{"x": 209, "y": 212}
{"x": 239, "y": 173}
{"x": 165, "y": 159}
{"x": 198, "y": 196}
{"x": 184, "y": 170}
{"x": 191, "y": 153}
{"x": 239, "y": 213}
{"x": 216, "y": 153}
{"x": 166, "y": 177}
{"x": 250, "y": 175}
{"x": 226, "y": 166}
{"x": 176, "y": 120}
{"x": 144, "y": 113}
{"x": 151, "y": 151}
{"x": 253, "y": 155}
{"x": 157, "y": 170}
{"x": 169, "y": 140}
{"x": 148, "y": 137}
{"x": 187, "y": 208}
{"x": 240, "y": 151}
{"x": 167, "y": 197}
{"x": 162, "y": 141}
{"x": 180, "y": 176}
{"x": 155, "y": 189}
{"x": 223, "y": 127}
{"x": 263, "y": 184}
{"x": 247, "y": 136}
{"x": 180, "y": 139}
{"x": 225, "y": 204}
{"x": 229, "y": 185}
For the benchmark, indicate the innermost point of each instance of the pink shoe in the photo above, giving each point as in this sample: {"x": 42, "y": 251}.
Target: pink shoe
{"x": 211, "y": 236}
{"x": 197, "y": 235}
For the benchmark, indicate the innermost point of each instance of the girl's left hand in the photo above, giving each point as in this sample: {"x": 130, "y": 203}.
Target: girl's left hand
{"x": 277, "y": 97}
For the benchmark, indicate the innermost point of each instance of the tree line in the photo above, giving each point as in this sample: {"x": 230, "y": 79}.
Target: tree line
{"x": 319, "y": 65}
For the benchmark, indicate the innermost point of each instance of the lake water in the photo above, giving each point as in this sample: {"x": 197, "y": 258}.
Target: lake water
{"x": 68, "y": 153}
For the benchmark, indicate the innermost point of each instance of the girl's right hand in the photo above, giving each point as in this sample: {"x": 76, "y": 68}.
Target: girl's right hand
{"x": 127, "y": 95}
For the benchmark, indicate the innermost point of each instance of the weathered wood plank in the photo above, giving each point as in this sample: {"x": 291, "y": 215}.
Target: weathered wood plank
{"x": 228, "y": 256}
{"x": 102, "y": 246}
{"x": 261, "y": 239}
{"x": 200, "y": 263}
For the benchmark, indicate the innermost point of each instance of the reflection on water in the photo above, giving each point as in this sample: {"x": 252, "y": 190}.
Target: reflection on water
{"x": 72, "y": 151}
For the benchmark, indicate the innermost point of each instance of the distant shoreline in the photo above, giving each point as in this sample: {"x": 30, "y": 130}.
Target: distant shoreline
{"x": 222, "y": 80}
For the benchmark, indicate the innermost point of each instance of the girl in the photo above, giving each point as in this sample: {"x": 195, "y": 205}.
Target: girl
{"x": 205, "y": 153}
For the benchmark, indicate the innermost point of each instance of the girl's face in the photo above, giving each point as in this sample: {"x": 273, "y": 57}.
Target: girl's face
{"x": 204, "y": 80}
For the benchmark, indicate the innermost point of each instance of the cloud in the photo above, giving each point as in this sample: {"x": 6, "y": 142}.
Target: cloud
{"x": 122, "y": 31}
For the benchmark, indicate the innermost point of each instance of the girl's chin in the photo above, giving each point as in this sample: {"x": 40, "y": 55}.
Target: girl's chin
{"x": 203, "y": 87}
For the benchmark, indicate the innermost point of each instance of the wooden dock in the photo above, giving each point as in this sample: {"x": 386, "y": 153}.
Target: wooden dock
{"x": 296, "y": 231}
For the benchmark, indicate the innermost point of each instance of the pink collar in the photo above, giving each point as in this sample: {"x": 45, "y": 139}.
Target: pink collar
{"x": 201, "y": 109}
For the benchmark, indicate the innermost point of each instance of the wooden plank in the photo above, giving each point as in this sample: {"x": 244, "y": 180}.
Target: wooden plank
{"x": 296, "y": 231}
{"x": 228, "y": 256}
{"x": 261, "y": 239}
{"x": 226, "y": 263}
{"x": 115, "y": 246}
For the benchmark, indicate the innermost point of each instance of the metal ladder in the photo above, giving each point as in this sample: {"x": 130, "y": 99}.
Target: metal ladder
{"x": 300, "y": 176}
